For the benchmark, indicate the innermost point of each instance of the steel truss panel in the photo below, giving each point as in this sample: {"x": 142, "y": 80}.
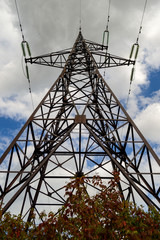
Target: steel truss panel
{"x": 58, "y": 59}
{"x": 79, "y": 128}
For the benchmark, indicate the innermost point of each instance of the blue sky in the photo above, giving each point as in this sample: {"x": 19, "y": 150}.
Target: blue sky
{"x": 154, "y": 84}
{"x": 8, "y": 125}
{"x": 58, "y": 31}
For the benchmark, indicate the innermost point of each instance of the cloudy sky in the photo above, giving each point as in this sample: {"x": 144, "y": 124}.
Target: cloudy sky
{"x": 53, "y": 25}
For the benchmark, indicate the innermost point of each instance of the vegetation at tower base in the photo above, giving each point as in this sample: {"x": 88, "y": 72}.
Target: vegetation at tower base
{"x": 102, "y": 216}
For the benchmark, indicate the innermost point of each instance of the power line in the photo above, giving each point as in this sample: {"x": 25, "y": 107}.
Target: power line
{"x": 140, "y": 28}
{"x": 109, "y": 5}
{"x": 80, "y": 14}
{"x": 19, "y": 20}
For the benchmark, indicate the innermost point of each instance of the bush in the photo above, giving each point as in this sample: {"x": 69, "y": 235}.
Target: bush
{"x": 103, "y": 216}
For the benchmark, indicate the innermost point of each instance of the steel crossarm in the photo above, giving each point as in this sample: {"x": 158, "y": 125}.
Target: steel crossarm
{"x": 53, "y": 59}
{"x": 104, "y": 60}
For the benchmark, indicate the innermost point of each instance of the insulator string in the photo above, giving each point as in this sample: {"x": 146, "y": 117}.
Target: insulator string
{"x": 134, "y": 52}
{"x": 24, "y": 45}
{"x": 105, "y": 39}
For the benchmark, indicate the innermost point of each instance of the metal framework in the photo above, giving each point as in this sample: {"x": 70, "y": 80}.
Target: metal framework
{"x": 79, "y": 129}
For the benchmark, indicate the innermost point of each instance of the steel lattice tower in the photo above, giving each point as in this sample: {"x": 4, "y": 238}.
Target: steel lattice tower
{"x": 79, "y": 128}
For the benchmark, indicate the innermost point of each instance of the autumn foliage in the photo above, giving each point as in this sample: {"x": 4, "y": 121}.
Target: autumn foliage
{"x": 102, "y": 216}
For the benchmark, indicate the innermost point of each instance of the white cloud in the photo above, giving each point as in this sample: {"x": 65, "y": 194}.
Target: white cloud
{"x": 20, "y": 107}
{"x": 46, "y": 34}
{"x": 148, "y": 121}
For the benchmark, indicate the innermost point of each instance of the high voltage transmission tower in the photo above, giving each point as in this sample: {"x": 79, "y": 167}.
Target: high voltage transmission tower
{"x": 79, "y": 129}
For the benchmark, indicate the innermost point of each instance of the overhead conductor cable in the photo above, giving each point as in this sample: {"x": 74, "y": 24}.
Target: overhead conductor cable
{"x": 80, "y": 14}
